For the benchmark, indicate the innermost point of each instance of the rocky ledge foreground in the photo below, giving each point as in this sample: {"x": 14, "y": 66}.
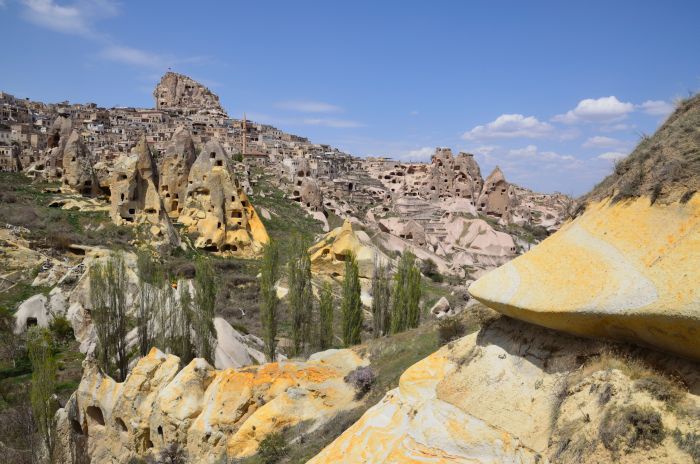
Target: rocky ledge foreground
{"x": 206, "y": 413}
{"x": 518, "y": 393}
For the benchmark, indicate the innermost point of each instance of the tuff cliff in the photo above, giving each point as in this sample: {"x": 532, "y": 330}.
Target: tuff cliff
{"x": 208, "y": 414}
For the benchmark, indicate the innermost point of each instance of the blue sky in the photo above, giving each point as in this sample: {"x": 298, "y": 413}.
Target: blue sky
{"x": 550, "y": 91}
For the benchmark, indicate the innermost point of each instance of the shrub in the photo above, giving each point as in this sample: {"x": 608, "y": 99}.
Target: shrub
{"x": 632, "y": 427}
{"x": 688, "y": 442}
{"x": 450, "y": 328}
{"x": 429, "y": 269}
{"x": 61, "y": 328}
{"x": 272, "y": 448}
{"x": 362, "y": 379}
{"x": 661, "y": 388}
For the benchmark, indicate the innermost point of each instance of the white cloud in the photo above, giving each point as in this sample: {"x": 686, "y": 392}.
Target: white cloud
{"x": 619, "y": 127}
{"x": 337, "y": 123}
{"x": 144, "y": 58}
{"x": 601, "y": 141}
{"x": 656, "y": 107}
{"x": 611, "y": 155}
{"x": 419, "y": 154}
{"x": 75, "y": 18}
{"x": 532, "y": 152}
{"x": 413, "y": 113}
{"x": 308, "y": 106}
{"x": 510, "y": 126}
{"x": 605, "y": 109}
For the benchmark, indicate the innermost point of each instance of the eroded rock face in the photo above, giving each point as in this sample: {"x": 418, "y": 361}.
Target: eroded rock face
{"x": 180, "y": 93}
{"x": 174, "y": 171}
{"x": 497, "y": 197}
{"x": 134, "y": 194}
{"x": 328, "y": 256}
{"x": 513, "y": 393}
{"x": 218, "y": 210}
{"x": 78, "y": 173}
{"x": 207, "y": 413}
{"x": 627, "y": 271}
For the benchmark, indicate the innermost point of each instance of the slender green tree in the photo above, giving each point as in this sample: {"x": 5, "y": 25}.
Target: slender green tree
{"x": 182, "y": 346}
{"x": 351, "y": 306}
{"x": 204, "y": 309}
{"x": 413, "y": 293}
{"x": 325, "y": 309}
{"x": 405, "y": 308}
{"x": 150, "y": 283}
{"x": 381, "y": 299}
{"x": 300, "y": 295}
{"x": 108, "y": 287}
{"x": 40, "y": 350}
{"x": 268, "y": 298}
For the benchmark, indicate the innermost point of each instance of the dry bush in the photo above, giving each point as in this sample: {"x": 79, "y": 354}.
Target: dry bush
{"x": 632, "y": 427}
{"x": 362, "y": 379}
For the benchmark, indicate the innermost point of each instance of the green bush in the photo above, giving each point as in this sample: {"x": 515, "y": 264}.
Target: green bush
{"x": 450, "y": 328}
{"x": 61, "y": 328}
{"x": 272, "y": 448}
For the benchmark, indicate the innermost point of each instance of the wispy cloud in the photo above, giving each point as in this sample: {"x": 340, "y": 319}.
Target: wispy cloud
{"x": 76, "y": 18}
{"x": 143, "y": 58}
{"x": 308, "y": 106}
{"x": 337, "y": 123}
{"x": 601, "y": 141}
{"x": 413, "y": 113}
{"x": 418, "y": 154}
{"x": 611, "y": 155}
{"x": 81, "y": 17}
{"x": 656, "y": 107}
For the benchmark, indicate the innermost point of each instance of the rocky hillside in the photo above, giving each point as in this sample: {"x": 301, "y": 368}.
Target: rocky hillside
{"x": 625, "y": 269}
{"x": 664, "y": 167}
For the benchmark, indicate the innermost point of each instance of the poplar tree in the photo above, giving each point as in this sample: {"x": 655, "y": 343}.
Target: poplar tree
{"x": 405, "y": 308}
{"x": 351, "y": 306}
{"x": 182, "y": 338}
{"x": 268, "y": 298}
{"x": 300, "y": 295}
{"x": 40, "y": 351}
{"x": 325, "y": 309}
{"x": 108, "y": 287}
{"x": 204, "y": 310}
{"x": 381, "y": 299}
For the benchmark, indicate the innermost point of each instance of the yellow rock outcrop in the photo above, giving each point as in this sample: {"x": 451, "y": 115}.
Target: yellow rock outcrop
{"x": 329, "y": 254}
{"x": 627, "y": 270}
{"x": 515, "y": 393}
{"x": 207, "y": 413}
{"x": 218, "y": 210}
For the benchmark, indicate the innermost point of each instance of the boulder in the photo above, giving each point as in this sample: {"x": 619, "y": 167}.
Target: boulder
{"x": 442, "y": 308}
{"x": 626, "y": 270}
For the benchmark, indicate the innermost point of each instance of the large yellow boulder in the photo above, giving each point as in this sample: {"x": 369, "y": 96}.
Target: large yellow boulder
{"x": 624, "y": 270}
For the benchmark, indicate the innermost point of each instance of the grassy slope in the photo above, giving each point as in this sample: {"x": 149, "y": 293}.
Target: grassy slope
{"x": 389, "y": 356}
{"x": 665, "y": 166}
